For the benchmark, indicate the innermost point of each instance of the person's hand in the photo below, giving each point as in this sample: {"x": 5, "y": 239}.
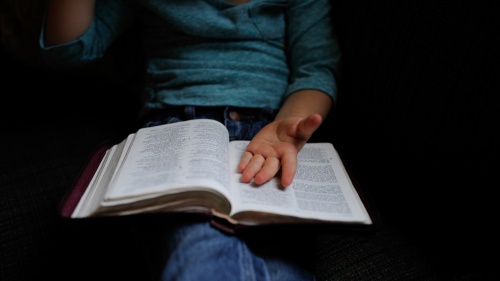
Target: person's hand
{"x": 277, "y": 146}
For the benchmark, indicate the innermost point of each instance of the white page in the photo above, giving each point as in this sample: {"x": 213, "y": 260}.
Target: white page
{"x": 82, "y": 208}
{"x": 321, "y": 188}
{"x": 166, "y": 158}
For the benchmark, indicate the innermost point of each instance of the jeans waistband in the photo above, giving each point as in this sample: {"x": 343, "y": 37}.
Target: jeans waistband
{"x": 241, "y": 114}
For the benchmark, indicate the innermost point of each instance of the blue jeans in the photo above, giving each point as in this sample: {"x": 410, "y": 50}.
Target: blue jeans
{"x": 242, "y": 123}
{"x": 192, "y": 249}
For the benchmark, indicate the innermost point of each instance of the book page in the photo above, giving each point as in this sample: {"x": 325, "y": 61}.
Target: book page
{"x": 321, "y": 189}
{"x": 182, "y": 156}
{"x": 100, "y": 181}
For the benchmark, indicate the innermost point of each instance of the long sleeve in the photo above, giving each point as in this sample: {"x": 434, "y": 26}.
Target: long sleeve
{"x": 314, "y": 52}
{"x": 111, "y": 18}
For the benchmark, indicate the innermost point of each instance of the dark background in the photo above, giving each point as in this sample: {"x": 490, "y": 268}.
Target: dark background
{"x": 419, "y": 114}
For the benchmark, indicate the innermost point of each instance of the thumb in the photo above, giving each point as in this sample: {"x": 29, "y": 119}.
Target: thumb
{"x": 309, "y": 125}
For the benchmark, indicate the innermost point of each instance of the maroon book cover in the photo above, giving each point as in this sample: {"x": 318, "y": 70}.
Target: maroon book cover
{"x": 71, "y": 199}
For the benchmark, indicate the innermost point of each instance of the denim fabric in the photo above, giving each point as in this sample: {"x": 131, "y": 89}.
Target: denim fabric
{"x": 197, "y": 251}
{"x": 193, "y": 250}
{"x": 242, "y": 123}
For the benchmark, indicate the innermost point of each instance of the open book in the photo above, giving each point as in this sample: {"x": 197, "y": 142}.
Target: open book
{"x": 190, "y": 166}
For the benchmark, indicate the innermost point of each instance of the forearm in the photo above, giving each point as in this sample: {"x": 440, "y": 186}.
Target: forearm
{"x": 304, "y": 103}
{"x": 67, "y": 20}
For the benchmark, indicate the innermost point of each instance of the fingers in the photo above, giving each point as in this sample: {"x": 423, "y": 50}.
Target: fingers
{"x": 268, "y": 171}
{"x": 245, "y": 159}
{"x": 288, "y": 168}
{"x": 261, "y": 169}
{"x": 258, "y": 168}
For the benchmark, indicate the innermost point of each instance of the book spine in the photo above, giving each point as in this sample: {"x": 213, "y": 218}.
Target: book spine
{"x": 71, "y": 199}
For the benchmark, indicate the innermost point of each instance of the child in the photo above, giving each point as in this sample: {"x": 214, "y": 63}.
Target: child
{"x": 264, "y": 68}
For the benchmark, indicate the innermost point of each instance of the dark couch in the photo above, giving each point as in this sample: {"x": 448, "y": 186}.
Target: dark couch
{"x": 417, "y": 118}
